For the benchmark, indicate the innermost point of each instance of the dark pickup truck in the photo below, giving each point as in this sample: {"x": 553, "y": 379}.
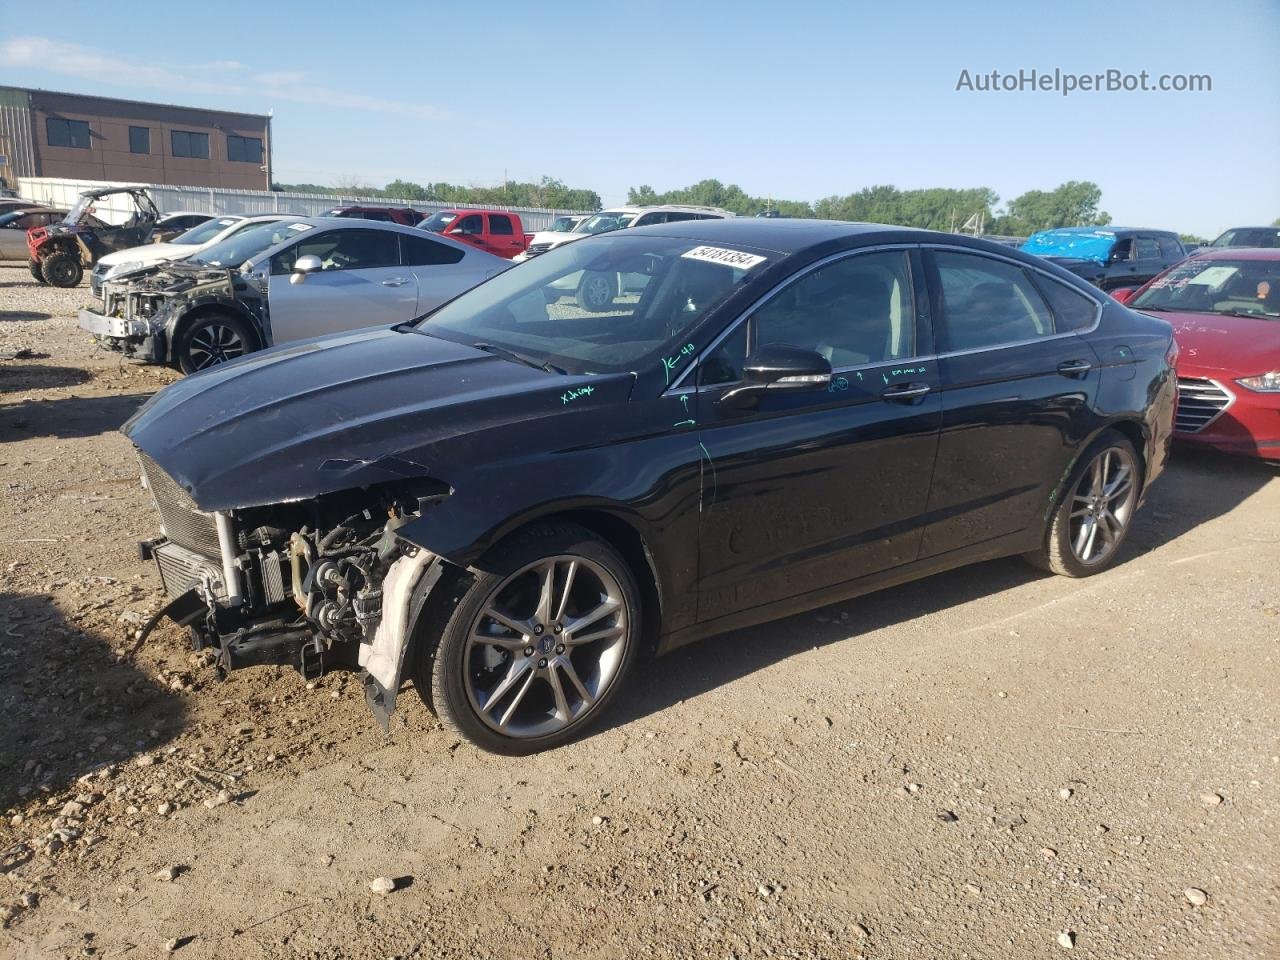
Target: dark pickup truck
{"x": 1109, "y": 257}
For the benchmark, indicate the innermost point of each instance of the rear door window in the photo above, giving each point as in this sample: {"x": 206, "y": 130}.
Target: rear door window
{"x": 500, "y": 225}
{"x": 987, "y": 303}
{"x": 1146, "y": 248}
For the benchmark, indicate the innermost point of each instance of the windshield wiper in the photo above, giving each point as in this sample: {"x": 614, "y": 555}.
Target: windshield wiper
{"x": 520, "y": 358}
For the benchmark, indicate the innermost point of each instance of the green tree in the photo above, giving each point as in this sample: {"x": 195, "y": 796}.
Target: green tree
{"x": 713, "y": 193}
{"x": 1073, "y": 204}
{"x": 1191, "y": 240}
{"x": 934, "y": 208}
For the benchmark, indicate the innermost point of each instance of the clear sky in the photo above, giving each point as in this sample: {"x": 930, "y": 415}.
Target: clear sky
{"x": 795, "y": 100}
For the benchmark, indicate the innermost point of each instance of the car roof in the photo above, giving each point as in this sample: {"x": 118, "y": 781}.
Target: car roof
{"x": 192, "y": 213}
{"x": 1237, "y": 253}
{"x": 793, "y": 235}
{"x": 660, "y": 207}
{"x": 1106, "y": 230}
{"x": 341, "y": 223}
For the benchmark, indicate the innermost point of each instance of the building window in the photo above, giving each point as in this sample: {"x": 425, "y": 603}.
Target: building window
{"x": 244, "y": 149}
{"x": 186, "y": 144}
{"x": 67, "y": 133}
{"x": 139, "y": 139}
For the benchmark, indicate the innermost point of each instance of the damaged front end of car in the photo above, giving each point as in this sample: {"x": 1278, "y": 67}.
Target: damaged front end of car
{"x": 142, "y": 310}
{"x": 320, "y": 585}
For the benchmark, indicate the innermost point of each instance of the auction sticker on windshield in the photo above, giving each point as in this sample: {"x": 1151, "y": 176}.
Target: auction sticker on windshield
{"x": 724, "y": 257}
{"x": 300, "y": 227}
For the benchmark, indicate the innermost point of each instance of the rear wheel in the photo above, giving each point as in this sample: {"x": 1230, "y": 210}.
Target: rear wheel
{"x": 210, "y": 340}
{"x": 36, "y": 271}
{"x": 535, "y": 642}
{"x": 1093, "y": 518}
{"x": 62, "y": 269}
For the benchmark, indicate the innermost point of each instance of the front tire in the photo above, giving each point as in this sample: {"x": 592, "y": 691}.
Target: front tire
{"x": 1093, "y": 518}
{"x": 37, "y": 272}
{"x": 536, "y": 641}
{"x": 62, "y": 269}
{"x": 210, "y": 340}
{"x": 596, "y": 291}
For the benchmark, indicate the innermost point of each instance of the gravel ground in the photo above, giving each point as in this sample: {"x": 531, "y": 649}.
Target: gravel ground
{"x": 990, "y": 763}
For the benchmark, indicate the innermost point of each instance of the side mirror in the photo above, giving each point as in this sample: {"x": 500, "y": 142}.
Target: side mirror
{"x": 305, "y": 264}
{"x": 776, "y": 367}
{"x": 1123, "y": 294}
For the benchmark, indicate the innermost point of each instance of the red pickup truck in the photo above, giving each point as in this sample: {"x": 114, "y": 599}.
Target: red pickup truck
{"x": 499, "y": 232}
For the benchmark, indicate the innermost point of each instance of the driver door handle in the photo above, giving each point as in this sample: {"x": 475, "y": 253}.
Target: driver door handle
{"x": 395, "y": 281}
{"x": 1074, "y": 368}
{"x": 904, "y": 391}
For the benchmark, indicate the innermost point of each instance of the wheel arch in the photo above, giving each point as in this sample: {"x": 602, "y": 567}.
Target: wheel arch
{"x": 207, "y": 308}
{"x": 1132, "y": 429}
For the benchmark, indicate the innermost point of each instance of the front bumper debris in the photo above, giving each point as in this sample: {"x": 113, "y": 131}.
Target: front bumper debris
{"x": 134, "y": 338}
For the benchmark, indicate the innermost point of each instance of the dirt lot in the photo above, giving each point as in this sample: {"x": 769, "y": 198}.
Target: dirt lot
{"x": 991, "y": 763}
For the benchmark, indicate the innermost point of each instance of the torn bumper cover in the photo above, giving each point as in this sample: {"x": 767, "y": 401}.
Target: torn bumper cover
{"x": 404, "y": 593}
{"x": 135, "y": 338}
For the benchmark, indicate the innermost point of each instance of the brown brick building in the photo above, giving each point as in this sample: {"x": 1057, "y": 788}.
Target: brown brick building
{"x": 71, "y": 135}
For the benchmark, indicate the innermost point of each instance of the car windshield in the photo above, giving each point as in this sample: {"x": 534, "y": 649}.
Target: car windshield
{"x": 437, "y": 222}
{"x": 604, "y": 222}
{"x": 248, "y": 243}
{"x": 204, "y": 232}
{"x": 561, "y": 225}
{"x": 598, "y": 306}
{"x": 1216, "y": 286}
{"x": 1249, "y": 237}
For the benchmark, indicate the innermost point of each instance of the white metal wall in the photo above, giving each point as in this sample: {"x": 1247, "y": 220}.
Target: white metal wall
{"x": 169, "y": 199}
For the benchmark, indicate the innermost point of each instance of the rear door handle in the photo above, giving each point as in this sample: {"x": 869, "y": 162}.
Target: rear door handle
{"x": 1074, "y": 368}
{"x": 900, "y": 392}
{"x": 395, "y": 281}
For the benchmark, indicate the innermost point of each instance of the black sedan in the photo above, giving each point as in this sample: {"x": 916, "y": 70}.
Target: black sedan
{"x": 510, "y": 499}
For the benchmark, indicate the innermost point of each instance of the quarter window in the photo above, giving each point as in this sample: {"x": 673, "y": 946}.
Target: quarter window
{"x": 184, "y": 143}
{"x": 139, "y": 139}
{"x": 987, "y": 302}
{"x": 500, "y": 225}
{"x": 1072, "y": 310}
{"x": 66, "y": 133}
{"x": 855, "y": 311}
{"x": 1170, "y": 248}
{"x": 244, "y": 149}
{"x": 421, "y": 252}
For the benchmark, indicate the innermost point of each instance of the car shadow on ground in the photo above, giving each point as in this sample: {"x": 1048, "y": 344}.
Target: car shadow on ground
{"x": 70, "y": 706}
{"x": 19, "y": 377}
{"x": 68, "y": 417}
{"x": 24, "y": 315}
{"x": 1195, "y": 489}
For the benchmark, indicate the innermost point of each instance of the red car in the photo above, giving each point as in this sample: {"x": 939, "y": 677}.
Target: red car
{"x": 1224, "y": 304}
{"x": 499, "y": 232}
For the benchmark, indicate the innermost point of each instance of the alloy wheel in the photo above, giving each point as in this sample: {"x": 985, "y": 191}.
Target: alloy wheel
{"x": 547, "y": 644}
{"x": 214, "y": 343}
{"x": 597, "y": 291}
{"x": 1102, "y": 505}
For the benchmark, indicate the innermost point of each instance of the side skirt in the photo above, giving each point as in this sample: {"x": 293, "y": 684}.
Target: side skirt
{"x": 1008, "y": 545}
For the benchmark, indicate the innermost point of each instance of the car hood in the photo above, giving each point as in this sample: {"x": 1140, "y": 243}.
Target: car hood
{"x": 555, "y": 237}
{"x": 1238, "y": 346}
{"x": 150, "y": 253}
{"x": 347, "y": 411}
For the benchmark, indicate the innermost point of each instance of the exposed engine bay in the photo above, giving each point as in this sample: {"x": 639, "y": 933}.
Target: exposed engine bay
{"x": 319, "y": 584}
